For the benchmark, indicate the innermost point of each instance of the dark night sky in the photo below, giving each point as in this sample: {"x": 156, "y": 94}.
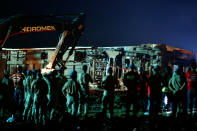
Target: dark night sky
{"x": 115, "y": 23}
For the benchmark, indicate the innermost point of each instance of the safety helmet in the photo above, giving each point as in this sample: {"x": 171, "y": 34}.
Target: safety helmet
{"x": 156, "y": 67}
{"x": 73, "y": 74}
{"x": 61, "y": 69}
{"x": 34, "y": 71}
{"x": 28, "y": 72}
{"x": 132, "y": 66}
{"x": 6, "y": 74}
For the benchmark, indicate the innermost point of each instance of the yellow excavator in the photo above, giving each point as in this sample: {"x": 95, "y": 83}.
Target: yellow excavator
{"x": 71, "y": 25}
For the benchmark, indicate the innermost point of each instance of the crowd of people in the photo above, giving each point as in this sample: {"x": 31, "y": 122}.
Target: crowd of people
{"x": 40, "y": 97}
{"x": 171, "y": 90}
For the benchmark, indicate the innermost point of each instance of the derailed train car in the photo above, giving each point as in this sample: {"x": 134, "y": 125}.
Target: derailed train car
{"x": 99, "y": 59}
{"x": 147, "y": 56}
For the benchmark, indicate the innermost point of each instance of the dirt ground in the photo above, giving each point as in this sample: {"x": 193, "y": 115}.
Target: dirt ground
{"x": 97, "y": 122}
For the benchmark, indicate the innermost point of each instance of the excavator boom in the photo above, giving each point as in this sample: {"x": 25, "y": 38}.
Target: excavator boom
{"x": 72, "y": 26}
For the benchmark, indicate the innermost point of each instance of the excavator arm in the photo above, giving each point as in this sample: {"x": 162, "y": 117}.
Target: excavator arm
{"x": 72, "y": 26}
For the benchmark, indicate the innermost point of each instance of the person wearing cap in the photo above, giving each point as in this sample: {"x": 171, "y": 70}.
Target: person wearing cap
{"x": 27, "y": 74}
{"x": 191, "y": 89}
{"x": 84, "y": 81}
{"x": 131, "y": 80}
{"x": 178, "y": 87}
{"x": 18, "y": 79}
{"x": 155, "y": 84}
{"x": 71, "y": 90}
{"x": 109, "y": 83}
{"x": 40, "y": 100}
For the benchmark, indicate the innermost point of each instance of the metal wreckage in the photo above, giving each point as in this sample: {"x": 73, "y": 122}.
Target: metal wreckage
{"x": 98, "y": 59}
{"x": 67, "y": 54}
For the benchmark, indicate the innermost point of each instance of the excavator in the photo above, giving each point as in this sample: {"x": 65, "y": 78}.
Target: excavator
{"x": 71, "y": 25}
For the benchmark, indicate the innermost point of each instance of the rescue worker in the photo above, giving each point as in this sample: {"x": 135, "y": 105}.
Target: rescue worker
{"x": 58, "y": 106}
{"x": 27, "y": 113}
{"x": 7, "y": 87}
{"x": 178, "y": 86}
{"x": 84, "y": 81}
{"x": 191, "y": 89}
{"x": 155, "y": 84}
{"x": 131, "y": 80}
{"x": 52, "y": 93}
{"x": 71, "y": 91}
{"x": 40, "y": 90}
{"x": 26, "y": 75}
{"x": 19, "y": 91}
{"x": 109, "y": 84}
{"x": 142, "y": 89}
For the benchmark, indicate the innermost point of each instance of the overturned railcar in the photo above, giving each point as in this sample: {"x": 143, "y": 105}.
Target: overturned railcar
{"x": 148, "y": 55}
{"x": 99, "y": 59}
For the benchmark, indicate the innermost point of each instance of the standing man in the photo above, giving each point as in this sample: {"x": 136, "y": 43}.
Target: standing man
{"x": 131, "y": 80}
{"x": 18, "y": 79}
{"x": 109, "y": 83}
{"x": 84, "y": 81}
{"x": 155, "y": 84}
{"x": 40, "y": 90}
{"x": 71, "y": 91}
{"x": 27, "y": 113}
{"x": 59, "y": 99}
{"x": 52, "y": 93}
{"x": 191, "y": 89}
{"x": 7, "y": 88}
{"x": 177, "y": 85}
{"x": 142, "y": 89}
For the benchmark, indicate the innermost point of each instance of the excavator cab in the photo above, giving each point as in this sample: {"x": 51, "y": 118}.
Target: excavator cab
{"x": 71, "y": 25}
